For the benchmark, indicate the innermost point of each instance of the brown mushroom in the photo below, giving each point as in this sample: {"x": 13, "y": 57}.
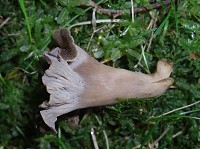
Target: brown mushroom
{"x": 75, "y": 80}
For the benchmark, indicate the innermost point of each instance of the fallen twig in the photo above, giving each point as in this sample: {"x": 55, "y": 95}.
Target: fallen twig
{"x": 155, "y": 143}
{"x": 153, "y": 25}
{"x": 155, "y": 5}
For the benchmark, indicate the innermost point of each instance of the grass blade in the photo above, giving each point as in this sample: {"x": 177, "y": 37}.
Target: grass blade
{"x": 145, "y": 60}
{"x": 23, "y": 8}
{"x": 157, "y": 32}
{"x": 147, "y": 137}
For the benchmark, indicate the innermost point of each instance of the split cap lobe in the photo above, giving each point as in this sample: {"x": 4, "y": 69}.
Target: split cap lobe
{"x": 64, "y": 41}
{"x": 75, "y": 80}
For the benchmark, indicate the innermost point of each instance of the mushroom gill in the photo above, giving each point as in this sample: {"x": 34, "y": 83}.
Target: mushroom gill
{"x": 75, "y": 80}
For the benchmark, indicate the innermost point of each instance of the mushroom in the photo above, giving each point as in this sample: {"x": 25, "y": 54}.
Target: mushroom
{"x": 75, "y": 80}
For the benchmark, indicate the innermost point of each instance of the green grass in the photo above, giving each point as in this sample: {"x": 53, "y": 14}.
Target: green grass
{"x": 172, "y": 119}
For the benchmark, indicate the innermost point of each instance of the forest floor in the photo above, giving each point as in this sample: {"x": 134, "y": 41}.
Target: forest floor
{"x": 133, "y": 41}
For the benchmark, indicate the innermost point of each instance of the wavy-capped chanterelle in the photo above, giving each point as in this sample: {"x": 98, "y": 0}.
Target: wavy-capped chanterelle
{"x": 75, "y": 80}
